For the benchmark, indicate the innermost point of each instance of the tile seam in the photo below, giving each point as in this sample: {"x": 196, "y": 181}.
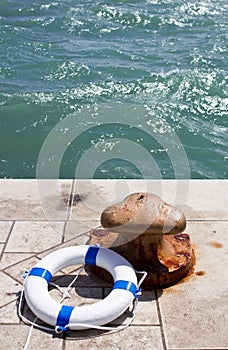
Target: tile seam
{"x": 33, "y": 255}
{"x": 69, "y": 204}
{"x": 6, "y": 304}
{"x": 81, "y": 219}
{"x": 7, "y": 239}
{"x": 207, "y": 220}
{"x": 137, "y": 325}
{"x": 7, "y": 274}
{"x": 55, "y": 246}
{"x": 64, "y": 232}
{"x": 69, "y": 212}
{"x": 161, "y": 322}
{"x": 197, "y": 349}
{"x": 11, "y": 324}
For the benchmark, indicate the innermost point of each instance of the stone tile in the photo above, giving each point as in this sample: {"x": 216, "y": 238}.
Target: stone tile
{"x": 8, "y": 313}
{"x": 146, "y": 338}
{"x": 9, "y": 289}
{"x": 80, "y": 230}
{"x": 15, "y": 336}
{"x": 17, "y": 270}
{"x": 83, "y": 205}
{"x": 57, "y": 247}
{"x": 54, "y": 196}
{"x": 195, "y": 312}
{"x": 34, "y": 236}
{"x": 43, "y": 341}
{"x": 34, "y": 200}
{"x": 90, "y": 197}
{"x": 145, "y": 312}
{"x": 208, "y": 200}
{"x": 4, "y": 230}
{"x": 9, "y": 259}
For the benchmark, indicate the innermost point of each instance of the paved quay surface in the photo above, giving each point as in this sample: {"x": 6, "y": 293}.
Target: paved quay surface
{"x": 37, "y": 218}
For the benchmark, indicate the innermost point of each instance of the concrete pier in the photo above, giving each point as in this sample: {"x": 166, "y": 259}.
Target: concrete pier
{"x": 38, "y": 217}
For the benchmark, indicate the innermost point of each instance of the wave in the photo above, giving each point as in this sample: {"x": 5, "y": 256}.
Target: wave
{"x": 109, "y": 18}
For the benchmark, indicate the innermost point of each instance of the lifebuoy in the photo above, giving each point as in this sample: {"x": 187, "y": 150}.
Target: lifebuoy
{"x": 64, "y": 317}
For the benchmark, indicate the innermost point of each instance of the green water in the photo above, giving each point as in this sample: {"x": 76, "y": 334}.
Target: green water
{"x": 168, "y": 57}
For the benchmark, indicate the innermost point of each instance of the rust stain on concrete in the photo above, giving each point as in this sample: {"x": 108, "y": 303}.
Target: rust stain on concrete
{"x": 216, "y": 244}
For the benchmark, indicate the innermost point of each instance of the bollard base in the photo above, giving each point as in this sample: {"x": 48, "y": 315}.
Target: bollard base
{"x": 166, "y": 260}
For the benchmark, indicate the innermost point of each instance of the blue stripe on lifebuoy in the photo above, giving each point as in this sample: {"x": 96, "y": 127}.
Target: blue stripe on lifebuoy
{"x": 91, "y": 255}
{"x": 38, "y": 271}
{"x": 131, "y": 287}
{"x": 63, "y": 318}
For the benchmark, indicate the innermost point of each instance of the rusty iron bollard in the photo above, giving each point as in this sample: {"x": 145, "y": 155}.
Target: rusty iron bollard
{"x": 148, "y": 232}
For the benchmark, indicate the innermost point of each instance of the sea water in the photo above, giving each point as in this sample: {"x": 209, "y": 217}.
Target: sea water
{"x": 168, "y": 57}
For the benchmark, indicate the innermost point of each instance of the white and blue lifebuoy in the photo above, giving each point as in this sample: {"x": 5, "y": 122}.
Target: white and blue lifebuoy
{"x": 64, "y": 317}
